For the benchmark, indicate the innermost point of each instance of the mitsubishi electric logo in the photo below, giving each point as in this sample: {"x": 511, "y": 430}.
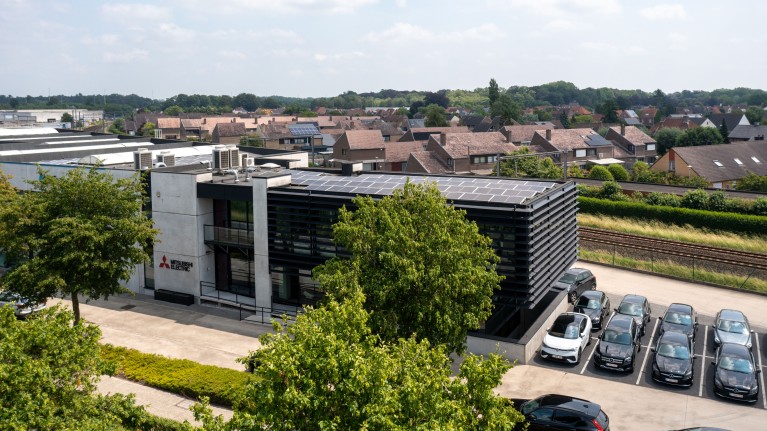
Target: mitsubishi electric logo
{"x": 178, "y": 265}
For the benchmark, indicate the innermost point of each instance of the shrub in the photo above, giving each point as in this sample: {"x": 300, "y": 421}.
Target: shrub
{"x": 612, "y": 191}
{"x": 600, "y": 173}
{"x": 575, "y": 172}
{"x": 717, "y": 201}
{"x": 698, "y": 182}
{"x": 134, "y": 417}
{"x": 665, "y": 199}
{"x": 759, "y": 207}
{"x": 588, "y": 191}
{"x": 695, "y": 199}
{"x": 223, "y": 386}
{"x": 618, "y": 172}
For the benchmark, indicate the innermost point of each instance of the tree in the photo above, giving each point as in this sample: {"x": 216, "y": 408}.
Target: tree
{"x": 173, "y": 110}
{"x": 329, "y": 371}
{"x": 438, "y": 98}
{"x": 492, "y": 91}
{"x": 563, "y": 119}
{"x": 505, "y": 108}
{"x": 148, "y": 129}
{"x": 755, "y": 115}
{"x": 666, "y": 139}
{"x": 600, "y": 173}
{"x": 724, "y": 132}
{"x": 81, "y": 234}
{"x": 699, "y": 136}
{"x": 532, "y": 166}
{"x": 608, "y": 109}
{"x": 424, "y": 269}
{"x": 118, "y": 126}
{"x": 753, "y": 183}
{"x": 67, "y": 118}
{"x": 415, "y": 107}
{"x": 50, "y": 369}
{"x": 435, "y": 116}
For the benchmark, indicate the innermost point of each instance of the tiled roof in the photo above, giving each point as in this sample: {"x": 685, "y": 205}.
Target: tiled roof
{"x": 428, "y": 161}
{"x": 168, "y": 123}
{"x": 191, "y": 123}
{"x": 522, "y": 133}
{"x": 677, "y": 123}
{"x": 363, "y": 139}
{"x": 400, "y": 151}
{"x": 632, "y": 135}
{"x": 748, "y": 132}
{"x": 460, "y": 145}
{"x": 702, "y": 158}
{"x": 732, "y": 120}
{"x": 438, "y": 130}
{"x": 275, "y": 131}
{"x": 569, "y": 139}
{"x": 230, "y": 129}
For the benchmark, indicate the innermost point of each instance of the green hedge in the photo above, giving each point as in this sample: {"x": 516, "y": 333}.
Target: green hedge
{"x": 223, "y": 386}
{"x": 730, "y": 222}
{"x": 136, "y": 418}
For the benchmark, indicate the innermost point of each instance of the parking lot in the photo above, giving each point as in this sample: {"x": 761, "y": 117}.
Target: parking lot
{"x": 642, "y": 374}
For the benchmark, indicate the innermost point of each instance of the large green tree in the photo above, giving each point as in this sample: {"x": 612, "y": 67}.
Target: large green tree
{"x": 435, "y": 116}
{"x": 78, "y": 234}
{"x": 752, "y": 182}
{"x": 424, "y": 268}
{"x": 666, "y": 139}
{"x": 755, "y": 115}
{"x": 492, "y": 91}
{"x": 329, "y": 371}
{"x": 506, "y": 108}
{"x": 525, "y": 163}
{"x": 700, "y": 136}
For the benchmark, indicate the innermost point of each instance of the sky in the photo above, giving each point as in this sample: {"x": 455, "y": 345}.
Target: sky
{"x": 322, "y": 48}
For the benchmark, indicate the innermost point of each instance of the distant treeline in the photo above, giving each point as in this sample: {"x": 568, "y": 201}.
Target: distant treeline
{"x": 551, "y": 94}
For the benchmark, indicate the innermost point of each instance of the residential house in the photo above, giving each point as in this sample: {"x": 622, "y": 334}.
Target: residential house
{"x": 683, "y": 123}
{"x": 732, "y": 120}
{"x": 522, "y": 134}
{"x": 472, "y": 121}
{"x": 304, "y": 137}
{"x": 638, "y": 146}
{"x": 748, "y": 133}
{"x": 191, "y": 129}
{"x": 168, "y": 128}
{"x": 494, "y": 125}
{"x": 366, "y": 146}
{"x": 721, "y": 165}
{"x": 398, "y": 153}
{"x": 425, "y": 162}
{"x": 423, "y": 133}
{"x": 416, "y": 123}
{"x": 228, "y": 133}
{"x": 579, "y": 147}
{"x": 647, "y": 116}
{"x": 469, "y": 152}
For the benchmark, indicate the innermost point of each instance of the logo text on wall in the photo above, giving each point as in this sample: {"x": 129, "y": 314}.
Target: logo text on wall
{"x": 178, "y": 265}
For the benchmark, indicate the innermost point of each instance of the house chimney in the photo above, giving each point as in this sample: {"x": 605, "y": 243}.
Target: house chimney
{"x": 548, "y": 134}
{"x": 443, "y": 139}
{"x": 623, "y": 129}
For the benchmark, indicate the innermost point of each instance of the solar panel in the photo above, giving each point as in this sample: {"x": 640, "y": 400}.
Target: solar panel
{"x": 303, "y": 130}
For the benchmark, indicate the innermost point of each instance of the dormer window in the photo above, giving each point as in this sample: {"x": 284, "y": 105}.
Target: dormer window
{"x": 718, "y": 163}
{"x": 737, "y": 160}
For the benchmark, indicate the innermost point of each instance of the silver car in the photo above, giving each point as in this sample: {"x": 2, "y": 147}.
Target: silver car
{"x": 731, "y": 326}
{"x": 22, "y": 307}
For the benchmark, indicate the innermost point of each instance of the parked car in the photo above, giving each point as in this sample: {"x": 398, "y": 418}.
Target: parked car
{"x": 673, "y": 360}
{"x": 618, "y": 344}
{"x": 576, "y": 281}
{"x": 680, "y": 318}
{"x": 735, "y": 374}
{"x": 596, "y": 305}
{"x": 567, "y": 337}
{"x": 22, "y": 307}
{"x": 562, "y": 412}
{"x": 731, "y": 326}
{"x": 638, "y": 307}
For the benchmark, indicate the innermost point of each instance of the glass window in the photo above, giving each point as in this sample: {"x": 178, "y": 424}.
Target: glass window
{"x": 580, "y": 153}
{"x": 542, "y": 414}
{"x": 569, "y": 418}
{"x": 650, "y": 147}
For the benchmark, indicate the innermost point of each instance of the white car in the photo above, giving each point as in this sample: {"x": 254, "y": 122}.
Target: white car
{"x": 21, "y": 306}
{"x": 567, "y": 338}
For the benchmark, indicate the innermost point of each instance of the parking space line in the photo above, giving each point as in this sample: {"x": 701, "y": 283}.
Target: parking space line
{"x": 596, "y": 345}
{"x": 647, "y": 351}
{"x": 703, "y": 360}
{"x": 761, "y": 375}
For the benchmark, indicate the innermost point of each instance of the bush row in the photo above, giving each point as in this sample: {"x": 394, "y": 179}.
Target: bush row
{"x": 181, "y": 376}
{"x": 680, "y": 216}
{"x": 136, "y": 418}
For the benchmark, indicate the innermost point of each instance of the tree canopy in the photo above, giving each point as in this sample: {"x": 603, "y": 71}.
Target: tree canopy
{"x": 506, "y": 108}
{"x": 425, "y": 270}
{"x": 533, "y": 166}
{"x": 81, "y": 233}
{"x": 435, "y": 116}
{"x": 329, "y": 371}
{"x": 666, "y": 139}
{"x": 492, "y": 91}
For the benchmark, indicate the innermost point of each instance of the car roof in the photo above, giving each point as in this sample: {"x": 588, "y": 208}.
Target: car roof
{"x": 736, "y": 350}
{"x": 571, "y": 317}
{"x": 594, "y": 294}
{"x": 621, "y": 321}
{"x": 679, "y": 308}
{"x": 635, "y": 299}
{"x": 732, "y": 315}
{"x": 674, "y": 337}
{"x": 570, "y": 403}
{"x": 577, "y": 270}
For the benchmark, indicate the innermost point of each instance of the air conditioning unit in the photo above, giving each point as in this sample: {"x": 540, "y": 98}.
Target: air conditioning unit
{"x": 142, "y": 159}
{"x": 166, "y": 157}
{"x": 246, "y": 161}
{"x": 220, "y": 157}
{"x": 234, "y": 156}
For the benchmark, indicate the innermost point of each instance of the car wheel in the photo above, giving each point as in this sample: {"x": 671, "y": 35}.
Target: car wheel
{"x": 573, "y": 296}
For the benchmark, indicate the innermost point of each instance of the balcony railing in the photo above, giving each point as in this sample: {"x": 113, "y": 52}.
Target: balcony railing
{"x": 228, "y": 236}
{"x": 246, "y": 305}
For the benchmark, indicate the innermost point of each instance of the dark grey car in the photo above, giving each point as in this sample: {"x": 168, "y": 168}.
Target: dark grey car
{"x": 596, "y": 305}
{"x": 731, "y": 326}
{"x": 680, "y": 318}
{"x": 576, "y": 281}
{"x": 638, "y": 307}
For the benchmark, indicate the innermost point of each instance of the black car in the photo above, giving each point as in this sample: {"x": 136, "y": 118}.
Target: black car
{"x": 680, "y": 318}
{"x": 618, "y": 344}
{"x": 562, "y": 412}
{"x": 735, "y": 375}
{"x": 638, "y": 307}
{"x": 576, "y": 281}
{"x": 673, "y": 360}
{"x": 596, "y": 305}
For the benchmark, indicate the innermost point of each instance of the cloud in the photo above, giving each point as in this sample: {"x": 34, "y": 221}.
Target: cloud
{"x": 408, "y": 33}
{"x": 232, "y": 55}
{"x": 125, "y": 57}
{"x": 175, "y": 32}
{"x": 557, "y": 7}
{"x": 563, "y": 25}
{"x": 282, "y": 6}
{"x": 401, "y": 3}
{"x": 277, "y": 35}
{"x": 664, "y": 11}
{"x": 339, "y": 56}
{"x": 104, "y": 39}
{"x": 677, "y": 41}
{"x": 132, "y": 12}
{"x": 596, "y": 46}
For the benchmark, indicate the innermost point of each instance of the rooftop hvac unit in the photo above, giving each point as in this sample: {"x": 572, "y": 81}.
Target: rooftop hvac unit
{"x": 166, "y": 157}
{"x": 234, "y": 156}
{"x": 246, "y": 161}
{"x": 220, "y": 157}
{"x": 142, "y": 159}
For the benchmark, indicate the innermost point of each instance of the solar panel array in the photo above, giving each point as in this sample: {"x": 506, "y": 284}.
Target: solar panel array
{"x": 486, "y": 189}
{"x": 303, "y": 130}
{"x": 597, "y": 141}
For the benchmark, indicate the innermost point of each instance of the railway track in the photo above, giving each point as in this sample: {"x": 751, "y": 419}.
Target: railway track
{"x": 676, "y": 248}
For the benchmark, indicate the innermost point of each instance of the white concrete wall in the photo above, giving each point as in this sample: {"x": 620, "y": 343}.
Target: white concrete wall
{"x": 180, "y": 216}
{"x": 21, "y": 172}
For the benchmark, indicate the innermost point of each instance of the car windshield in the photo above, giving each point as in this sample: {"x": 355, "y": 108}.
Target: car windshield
{"x": 567, "y": 278}
{"x": 568, "y": 331}
{"x": 630, "y": 308}
{"x": 678, "y": 318}
{"x": 732, "y": 326}
{"x": 617, "y": 337}
{"x": 529, "y": 406}
{"x": 675, "y": 351}
{"x": 591, "y": 304}
{"x": 734, "y": 363}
